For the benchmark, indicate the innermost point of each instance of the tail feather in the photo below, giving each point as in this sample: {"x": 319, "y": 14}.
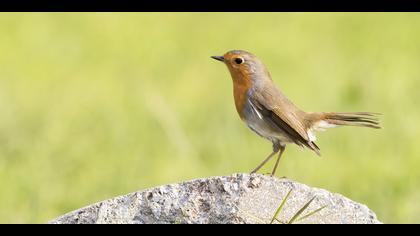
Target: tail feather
{"x": 363, "y": 119}
{"x": 325, "y": 120}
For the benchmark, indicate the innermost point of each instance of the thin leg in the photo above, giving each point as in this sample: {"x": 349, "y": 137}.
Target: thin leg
{"x": 265, "y": 161}
{"x": 278, "y": 159}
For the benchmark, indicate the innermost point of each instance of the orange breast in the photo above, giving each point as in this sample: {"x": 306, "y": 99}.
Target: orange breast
{"x": 240, "y": 92}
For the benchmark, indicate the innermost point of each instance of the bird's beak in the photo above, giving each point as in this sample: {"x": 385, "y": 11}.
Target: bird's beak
{"x": 219, "y": 58}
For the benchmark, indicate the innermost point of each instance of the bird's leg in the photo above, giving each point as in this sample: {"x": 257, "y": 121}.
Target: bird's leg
{"x": 278, "y": 159}
{"x": 265, "y": 161}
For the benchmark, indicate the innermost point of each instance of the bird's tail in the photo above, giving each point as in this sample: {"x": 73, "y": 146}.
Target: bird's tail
{"x": 332, "y": 119}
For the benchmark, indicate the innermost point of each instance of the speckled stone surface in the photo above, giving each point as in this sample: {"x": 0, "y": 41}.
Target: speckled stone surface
{"x": 239, "y": 198}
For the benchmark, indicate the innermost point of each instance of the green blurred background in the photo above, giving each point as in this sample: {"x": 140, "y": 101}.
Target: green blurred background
{"x": 95, "y": 105}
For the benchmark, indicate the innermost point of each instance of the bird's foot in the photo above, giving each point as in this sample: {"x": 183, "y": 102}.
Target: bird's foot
{"x": 272, "y": 175}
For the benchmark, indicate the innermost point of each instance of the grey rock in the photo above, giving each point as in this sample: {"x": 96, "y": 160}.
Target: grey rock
{"x": 239, "y": 198}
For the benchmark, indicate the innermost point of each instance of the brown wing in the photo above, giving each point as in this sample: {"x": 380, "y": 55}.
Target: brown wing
{"x": 289, "y": 120}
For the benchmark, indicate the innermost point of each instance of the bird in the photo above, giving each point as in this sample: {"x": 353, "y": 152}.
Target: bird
{"x": 269, "y": 113}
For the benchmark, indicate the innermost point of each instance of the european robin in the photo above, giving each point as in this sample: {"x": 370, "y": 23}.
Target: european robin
{"x": 270, "y": 114}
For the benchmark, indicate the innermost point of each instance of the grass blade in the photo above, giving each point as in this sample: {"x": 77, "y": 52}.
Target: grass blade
{"x": 300, "y": 211}
{"x": 280, "y": 221}
{"x": 309, "y": 214}
{"x": 280, "y": 207}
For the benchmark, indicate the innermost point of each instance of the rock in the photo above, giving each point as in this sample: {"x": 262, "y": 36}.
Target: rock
{"x": 240, "y": 198}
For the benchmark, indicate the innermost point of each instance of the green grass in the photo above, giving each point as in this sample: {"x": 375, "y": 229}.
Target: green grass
{"x": 95, "y": 105}
{"x": 296, "y": 217}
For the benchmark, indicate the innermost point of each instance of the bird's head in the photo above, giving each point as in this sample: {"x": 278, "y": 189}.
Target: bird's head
{"x": 243, "y": 66}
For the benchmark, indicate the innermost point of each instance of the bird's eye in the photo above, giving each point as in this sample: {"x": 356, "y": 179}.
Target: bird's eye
{"x": 239, "y": 60}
